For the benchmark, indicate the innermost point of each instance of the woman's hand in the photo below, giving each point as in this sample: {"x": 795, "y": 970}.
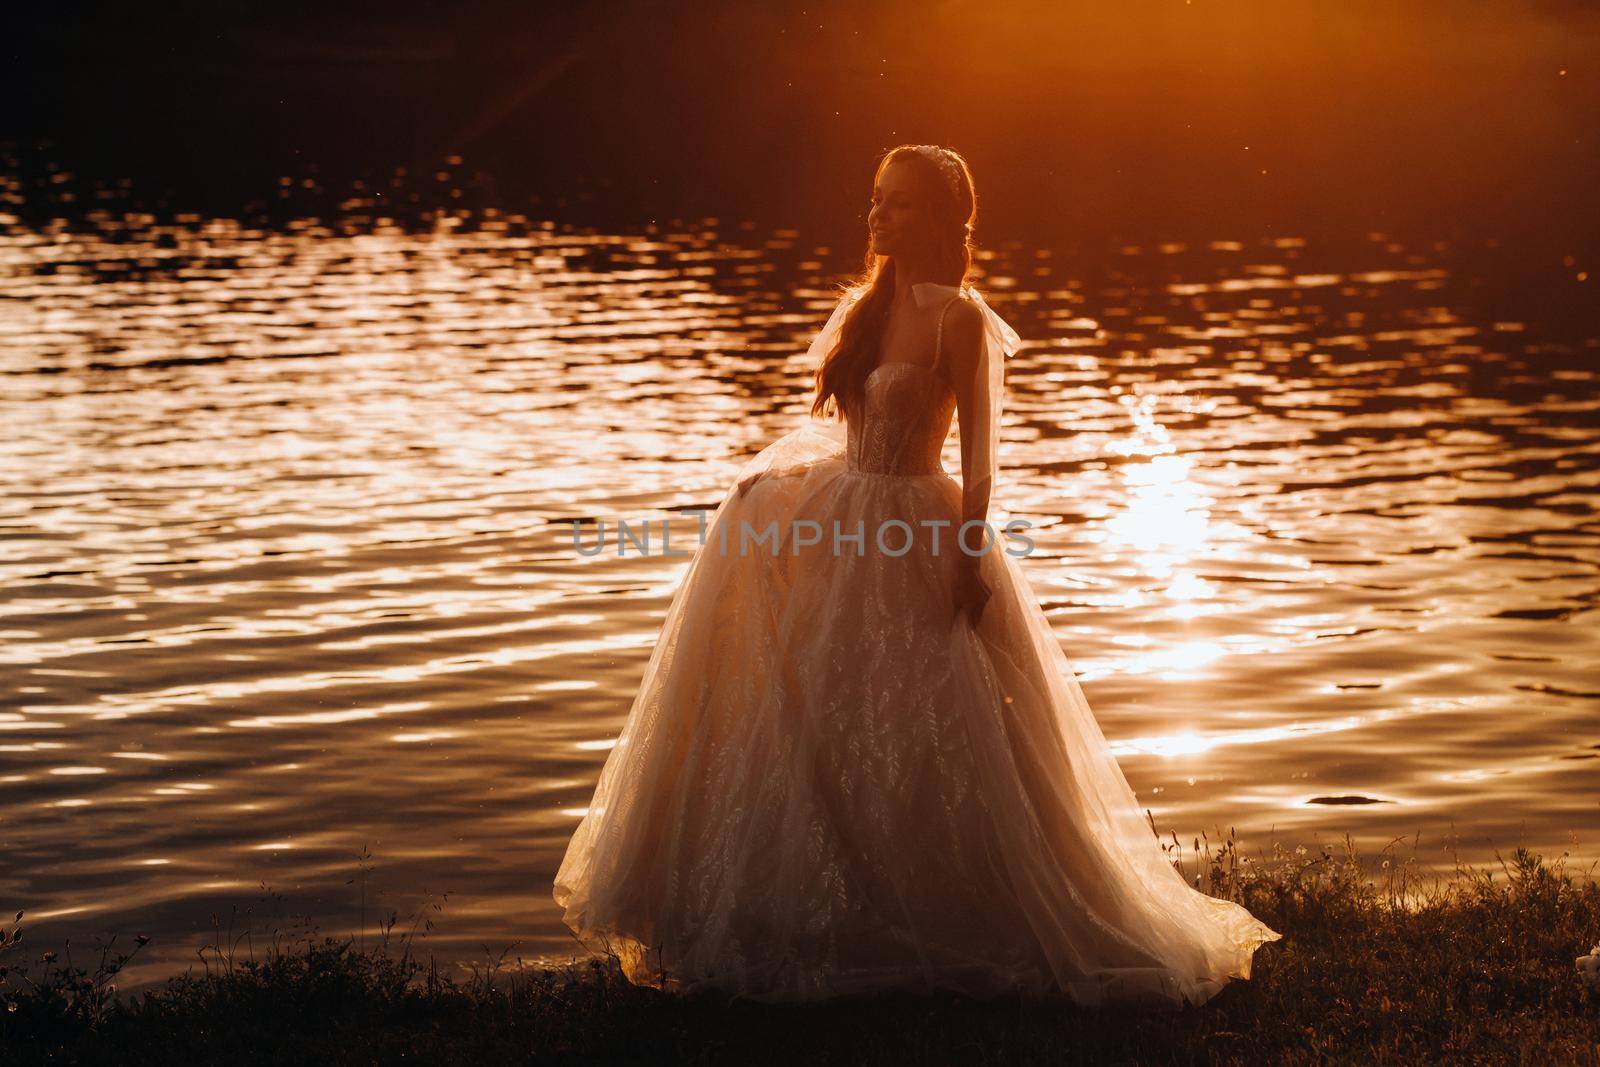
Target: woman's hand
{"x": 971, "y": 591}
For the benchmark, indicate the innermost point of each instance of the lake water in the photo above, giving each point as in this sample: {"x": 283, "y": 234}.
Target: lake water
{"x": 289, "y": 565}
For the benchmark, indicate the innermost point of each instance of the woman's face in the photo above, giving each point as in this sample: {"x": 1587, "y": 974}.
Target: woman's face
{"x": 899, "y": 221}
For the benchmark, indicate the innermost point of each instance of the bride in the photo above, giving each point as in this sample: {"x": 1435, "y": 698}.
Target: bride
{"x": 859, "y": 760}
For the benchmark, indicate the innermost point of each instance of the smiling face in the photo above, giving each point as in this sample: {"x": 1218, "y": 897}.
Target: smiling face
{"x": 900, "y": 221}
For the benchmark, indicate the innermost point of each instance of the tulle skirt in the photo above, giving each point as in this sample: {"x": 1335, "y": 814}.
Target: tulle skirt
{"x": 830, "y": 784}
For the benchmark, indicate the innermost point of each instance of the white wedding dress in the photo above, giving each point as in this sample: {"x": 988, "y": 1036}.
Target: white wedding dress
{"x": 829, "y": 784}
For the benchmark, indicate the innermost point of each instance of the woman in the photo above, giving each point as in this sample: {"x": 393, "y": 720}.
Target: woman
{"x": 859, "y": 760}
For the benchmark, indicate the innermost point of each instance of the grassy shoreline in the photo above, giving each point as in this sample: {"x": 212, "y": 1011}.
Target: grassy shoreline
{"x": 1478, "y": 967}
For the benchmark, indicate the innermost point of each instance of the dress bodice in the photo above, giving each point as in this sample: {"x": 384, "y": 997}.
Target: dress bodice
{"x": 900, "y": 423}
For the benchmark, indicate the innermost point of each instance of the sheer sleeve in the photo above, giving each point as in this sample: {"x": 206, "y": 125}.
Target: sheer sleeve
{"x": 998, "y": 343}
{"x": 814, "y": 439}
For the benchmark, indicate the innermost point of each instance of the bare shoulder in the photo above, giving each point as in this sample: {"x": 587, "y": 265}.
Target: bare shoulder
{"x": 963, "y": 333}
{"x": 963, "y": 313}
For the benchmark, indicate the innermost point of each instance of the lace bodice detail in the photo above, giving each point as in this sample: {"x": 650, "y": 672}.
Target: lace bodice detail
{"x": 901, "y": 422}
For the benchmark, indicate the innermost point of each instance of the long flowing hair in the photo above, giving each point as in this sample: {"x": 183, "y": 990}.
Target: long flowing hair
{"x": 953, "y": 205}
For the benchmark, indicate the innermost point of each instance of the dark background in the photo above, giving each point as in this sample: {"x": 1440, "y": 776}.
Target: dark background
{"x": 1158, "y": 119}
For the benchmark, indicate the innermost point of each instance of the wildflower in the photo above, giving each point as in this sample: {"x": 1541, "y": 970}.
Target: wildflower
{"x": 1589, "y": 968}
